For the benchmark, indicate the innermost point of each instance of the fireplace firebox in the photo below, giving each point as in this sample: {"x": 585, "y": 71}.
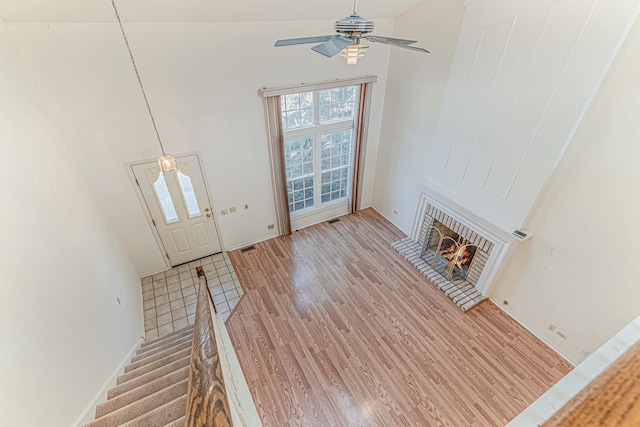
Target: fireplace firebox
{"x": 448, "y": 253}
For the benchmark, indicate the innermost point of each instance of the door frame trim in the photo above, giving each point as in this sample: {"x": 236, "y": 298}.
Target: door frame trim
{"x": 145, "y": 208}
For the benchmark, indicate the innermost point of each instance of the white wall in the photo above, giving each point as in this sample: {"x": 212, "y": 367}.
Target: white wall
{"x": 580, "y": 271}
{"x": 416, "y": 87}
{"x": 522, "y": 76}
{"x": 202, "y": 80}
{"x": 62, "y": 268}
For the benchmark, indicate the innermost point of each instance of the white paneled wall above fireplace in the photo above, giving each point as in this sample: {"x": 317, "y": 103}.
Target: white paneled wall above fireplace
{"x": 522, "y": 77}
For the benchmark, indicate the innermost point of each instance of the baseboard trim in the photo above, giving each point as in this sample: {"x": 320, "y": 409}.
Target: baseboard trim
{"x": 530, "y": 329}
{"x": 390, "y": 220}
{"x": 249, "y": 243}
{"x": 152, "y": 272}
{"x": 88, "y": 414}
{"x": 272, "y": 236}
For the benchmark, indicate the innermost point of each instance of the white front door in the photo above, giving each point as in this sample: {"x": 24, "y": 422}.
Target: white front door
{"x": 180, "y": 209}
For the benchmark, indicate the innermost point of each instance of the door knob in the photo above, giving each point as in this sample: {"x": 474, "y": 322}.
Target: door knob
{"x": 206, "y": 210}
{"x": 208, "y": 215}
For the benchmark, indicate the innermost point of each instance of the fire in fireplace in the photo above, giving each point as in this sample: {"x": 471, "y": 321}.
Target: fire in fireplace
{"x": 449, "y": 254}
{"x": 459, "y": 256}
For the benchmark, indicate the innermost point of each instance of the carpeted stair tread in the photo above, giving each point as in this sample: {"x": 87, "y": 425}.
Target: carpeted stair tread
{"x": 163, "y": 342}
{"x": 177, "y": 423}
{"x": 165, "y": 339}
{"x": 153, "y": 366}
{"x": 167, "y": 336}
{"x": 150, "y": 352}
{"x": 161, "y": 416}
{"x": 148, "y": 377}
{"x": 141, "y": 392}
{"x": 144, "y": 406}
{"x": 157, "y": 356}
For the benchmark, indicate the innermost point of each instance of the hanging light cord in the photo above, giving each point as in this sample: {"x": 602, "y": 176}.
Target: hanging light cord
{"x": 135, "y": 68}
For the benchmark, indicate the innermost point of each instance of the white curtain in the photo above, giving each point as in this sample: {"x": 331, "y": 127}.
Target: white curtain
{"x": 360, "y": 146}
{"x": 275, "y": 139}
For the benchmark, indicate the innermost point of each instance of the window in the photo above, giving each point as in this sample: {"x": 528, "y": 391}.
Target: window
{"x": 318, "y": 132}
{"x": 297, "y": 110}
{"x": 163, "y": 195}
{"x": 336, "y": 164}
{"x": 300, "y": 177}
{"x": 337, "y": 104}
{"x": 188, "y": 195}
{"x": 316, "y": 136}
{"x": 158, "y": 181}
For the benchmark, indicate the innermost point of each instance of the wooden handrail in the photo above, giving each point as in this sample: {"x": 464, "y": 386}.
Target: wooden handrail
{"x": 611, "y": 399}
{"x": 207, "y": 403}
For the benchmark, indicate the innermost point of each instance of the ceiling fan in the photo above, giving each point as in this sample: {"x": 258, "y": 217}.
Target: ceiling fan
{"x": 351, "y": 30}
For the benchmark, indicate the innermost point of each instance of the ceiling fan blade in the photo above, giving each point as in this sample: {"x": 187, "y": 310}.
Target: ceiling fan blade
{"x": 417, "y": 49}
{"x": 333, "y": 46}
{"x": 404, "y": 46}
{"x": 303, "y": 40}
{"x": 390, "y": 40}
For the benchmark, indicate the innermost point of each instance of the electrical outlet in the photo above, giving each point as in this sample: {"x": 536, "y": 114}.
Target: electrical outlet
{"x": 246, "y": 206}
{"x": 270, "y": 226}
{"x": 584, "y": 352}
{"x": 232, "y": 210}
{"x": 552, "y": 327}
{"x": 561, "y": 335}
{"x": 224, "y": 212}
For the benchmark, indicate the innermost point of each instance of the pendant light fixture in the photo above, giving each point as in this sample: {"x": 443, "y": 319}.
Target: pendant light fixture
{"x": 166, "y": 162}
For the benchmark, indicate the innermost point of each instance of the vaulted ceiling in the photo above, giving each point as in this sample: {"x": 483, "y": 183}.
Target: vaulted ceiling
{"x": 196, "y": 10}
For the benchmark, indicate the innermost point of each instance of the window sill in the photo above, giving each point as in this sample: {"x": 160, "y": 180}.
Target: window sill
{"x": 324, "y": 213}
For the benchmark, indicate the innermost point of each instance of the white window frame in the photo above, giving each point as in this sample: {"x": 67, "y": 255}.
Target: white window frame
{"x": 276, "y": 136}
{"x": 315, "y": 132}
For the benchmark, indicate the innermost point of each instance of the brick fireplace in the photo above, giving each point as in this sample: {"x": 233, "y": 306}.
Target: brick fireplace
{"x": 457, "y": 251}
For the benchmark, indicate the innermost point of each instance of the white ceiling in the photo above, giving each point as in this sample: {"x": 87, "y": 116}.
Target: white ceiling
{"x": 196, "y": 10}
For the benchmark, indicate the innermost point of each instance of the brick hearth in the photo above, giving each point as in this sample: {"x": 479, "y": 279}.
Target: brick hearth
{"x": 462, "y": 293}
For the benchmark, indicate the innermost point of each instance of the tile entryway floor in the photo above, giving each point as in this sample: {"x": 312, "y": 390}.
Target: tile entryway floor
{"x": 170, "y": 297}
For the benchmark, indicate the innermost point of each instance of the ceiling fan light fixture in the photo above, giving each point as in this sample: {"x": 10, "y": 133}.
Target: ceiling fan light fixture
{"x": 351, "y": 31}
{"x": 354, "y": 52}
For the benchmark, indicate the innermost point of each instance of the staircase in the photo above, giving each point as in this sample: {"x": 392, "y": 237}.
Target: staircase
{"x": 152, "y": 392}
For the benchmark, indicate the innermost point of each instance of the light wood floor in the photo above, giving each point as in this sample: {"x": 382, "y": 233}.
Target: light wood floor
{"x": 336, "y": 329}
